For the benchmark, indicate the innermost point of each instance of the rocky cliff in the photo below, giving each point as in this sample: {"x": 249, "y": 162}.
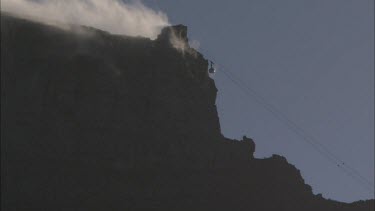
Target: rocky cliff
{"x": 94, "y": 121}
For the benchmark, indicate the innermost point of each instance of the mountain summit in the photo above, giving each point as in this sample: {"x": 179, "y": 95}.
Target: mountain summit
{"x": 94, "y": 121}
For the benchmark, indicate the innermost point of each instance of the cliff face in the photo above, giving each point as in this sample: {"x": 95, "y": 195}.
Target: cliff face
{"x": 93, "y": 121}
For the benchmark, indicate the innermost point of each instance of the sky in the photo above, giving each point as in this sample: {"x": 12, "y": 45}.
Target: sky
{"x": 312, "y": 60}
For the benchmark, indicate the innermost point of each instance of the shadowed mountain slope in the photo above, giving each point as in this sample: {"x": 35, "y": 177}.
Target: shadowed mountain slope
{"x": 94, "y": 121}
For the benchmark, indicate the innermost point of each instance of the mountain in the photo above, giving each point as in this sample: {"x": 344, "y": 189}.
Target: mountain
{"x": 94, "y": 121}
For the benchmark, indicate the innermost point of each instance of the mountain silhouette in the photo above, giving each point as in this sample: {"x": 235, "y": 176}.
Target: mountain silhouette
{"x": 94, "y": 121}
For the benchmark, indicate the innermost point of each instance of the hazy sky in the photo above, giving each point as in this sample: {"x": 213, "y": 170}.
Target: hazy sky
{"x": 313, "y": 60}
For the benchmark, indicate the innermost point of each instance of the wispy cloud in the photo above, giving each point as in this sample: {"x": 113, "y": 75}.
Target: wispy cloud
{"x": 114, "y": 16}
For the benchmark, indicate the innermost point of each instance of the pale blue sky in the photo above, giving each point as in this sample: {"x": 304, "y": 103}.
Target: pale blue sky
{"x": 313, "y": 60}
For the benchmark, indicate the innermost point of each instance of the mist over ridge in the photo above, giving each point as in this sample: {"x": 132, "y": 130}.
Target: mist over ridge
{"x": 115, "y": 16}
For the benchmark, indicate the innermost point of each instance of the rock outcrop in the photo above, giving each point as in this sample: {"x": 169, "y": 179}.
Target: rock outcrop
{"x": 93, "y": 121}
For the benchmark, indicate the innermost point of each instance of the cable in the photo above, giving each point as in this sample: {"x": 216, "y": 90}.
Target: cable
{"x": 319, "y": 147}
{"x": 299, "y": 131}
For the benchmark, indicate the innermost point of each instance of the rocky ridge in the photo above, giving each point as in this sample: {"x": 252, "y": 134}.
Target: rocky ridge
{"x": 94, "y": 121}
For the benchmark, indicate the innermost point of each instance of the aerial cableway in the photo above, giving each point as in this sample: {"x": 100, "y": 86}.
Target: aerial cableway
{"x": 295, "y": 128}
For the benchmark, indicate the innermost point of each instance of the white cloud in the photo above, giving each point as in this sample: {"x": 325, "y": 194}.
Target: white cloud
{"x": 114, "y": 16}
{"x": 195, "y": 44}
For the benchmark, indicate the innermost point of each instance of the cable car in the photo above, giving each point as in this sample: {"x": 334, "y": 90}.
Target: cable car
{"x": 211, "y": 69}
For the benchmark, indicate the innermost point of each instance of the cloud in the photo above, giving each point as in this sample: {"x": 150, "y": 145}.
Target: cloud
{"x": 114, "y": 16}
{"x": 195, "y": 44}
{"x": 181, "y": 43}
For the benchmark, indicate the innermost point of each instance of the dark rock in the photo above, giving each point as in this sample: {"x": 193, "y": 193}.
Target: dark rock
{"x": 171, "y": 32}
{"x": 106, "y": 122}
